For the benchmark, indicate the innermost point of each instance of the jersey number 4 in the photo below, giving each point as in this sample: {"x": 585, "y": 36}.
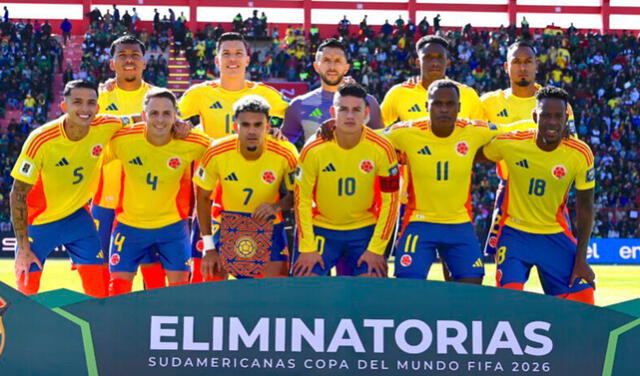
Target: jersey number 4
{"x": 152, "y": 181}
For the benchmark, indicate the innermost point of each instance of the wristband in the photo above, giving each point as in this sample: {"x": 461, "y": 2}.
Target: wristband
{"x": 207, "y": 243}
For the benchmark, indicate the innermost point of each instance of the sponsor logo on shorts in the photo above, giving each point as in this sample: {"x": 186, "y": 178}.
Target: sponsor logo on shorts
{"x": 115, "y": 259}
{"x": 493, "y": 241}
{"x": 406, "y": 260}
{"x": 366, "y": 166}
{"x": 200, "y": 246}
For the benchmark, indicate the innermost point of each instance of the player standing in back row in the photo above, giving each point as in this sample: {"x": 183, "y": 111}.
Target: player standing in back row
{"x": 122, "y": 96}
{"x": 512, "y": 110}
{"x": 212, "y": 102}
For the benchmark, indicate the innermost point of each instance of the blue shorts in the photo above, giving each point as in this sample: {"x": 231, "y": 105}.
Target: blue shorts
{"x": 552, "y": 254}
{"x": 104, "y": 218}
{"x": 457, "y": 244}
{"x": 197, "y": 247}
{"x": 130, "y": 245}
{"x": 348, "y": 244}
{"x": 77, "y": 232}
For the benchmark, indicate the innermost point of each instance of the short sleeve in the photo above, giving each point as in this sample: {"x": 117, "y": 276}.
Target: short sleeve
{"x": 493, "y": 150}
{"x": 586, "y": 175}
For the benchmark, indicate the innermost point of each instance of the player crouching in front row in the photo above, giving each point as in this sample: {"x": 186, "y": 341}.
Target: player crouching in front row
{"x": 353, "y": 180}
{"x": 154, "y": 201}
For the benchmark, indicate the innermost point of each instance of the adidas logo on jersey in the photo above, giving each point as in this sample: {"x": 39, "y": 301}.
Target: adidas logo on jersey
{"x": 317, "y": 113}
{"x": 424, "y": 151}
{"x": 231, "y": 177}
{"x": 329, "y": 168}
{"x": 503, "y": 113}
{"x": 112, "y": 107}
{"x": 136, "y": 161}
{"x": 62, "y": 162}
{"x": 478, "y": 264}
{"x": 216, "y": 106}
{"x": 523, "y": 163}
{"x": 414, "y": 108}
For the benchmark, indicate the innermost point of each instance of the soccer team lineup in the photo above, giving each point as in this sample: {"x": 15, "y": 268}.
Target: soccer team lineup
{"x": 233, "y": 180}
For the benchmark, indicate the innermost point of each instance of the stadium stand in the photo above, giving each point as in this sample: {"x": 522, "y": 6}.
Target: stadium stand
{"x": 599, "y": 71}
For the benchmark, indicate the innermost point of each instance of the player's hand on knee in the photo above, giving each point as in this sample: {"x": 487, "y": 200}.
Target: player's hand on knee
{"x": 306, "y": 262}
{"x": 24, "y": 259}
{"x": 325, "y": 131}
{"x": 211, "y": 264}
{"x": 277, "y": 134}
{"x": 582, "y": 269}
{"x": 265, "y": 212}
{"x": 376, "y": 264}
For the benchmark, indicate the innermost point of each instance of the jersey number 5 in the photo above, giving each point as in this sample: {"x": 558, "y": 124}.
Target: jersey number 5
{"x": 78, "y": 175}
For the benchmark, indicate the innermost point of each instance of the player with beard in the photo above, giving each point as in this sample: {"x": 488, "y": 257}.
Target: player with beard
{"x": 307, "y": 112}
{"x": 511, "y": 110}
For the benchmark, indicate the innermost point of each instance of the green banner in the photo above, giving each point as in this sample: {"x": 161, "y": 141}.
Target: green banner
{"x": 318, "y": 326}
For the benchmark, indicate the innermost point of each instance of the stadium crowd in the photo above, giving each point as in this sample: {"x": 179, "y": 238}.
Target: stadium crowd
{"x": 599, "y": 71}
{"x": 29, "y": 58}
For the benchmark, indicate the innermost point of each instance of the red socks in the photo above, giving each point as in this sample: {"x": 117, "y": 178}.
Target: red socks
{"x": 153, "y": 275}
{"x": 584, "y": 296}
{"x": 93, "y": 281}
{"x": 118, "y": 286}
{"x": 34, "y": 283}
{"x": 196, "y": 273}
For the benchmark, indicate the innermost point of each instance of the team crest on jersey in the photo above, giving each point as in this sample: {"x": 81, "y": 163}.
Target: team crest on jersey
{"x": 559, "y": 171}
{"x": 366, "y": 166}
{"x": 96, "y": 150}
{"x": 115, "y": 259}
{"x": 269, "y": 177}
{"x": 406, "y": 260}
{"x": 174, "y": 162}
{"x": 462, "y": 148}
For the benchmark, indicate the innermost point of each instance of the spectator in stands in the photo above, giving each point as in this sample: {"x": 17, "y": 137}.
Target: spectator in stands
{"x": 423, "y": 27}
{"x": 126, "y": 20}
{"x": 386, "y": 29}
{"x": 65, "y": 27}
{"x": 116, "y": 15}
{"x": 5, "y": 17}
{"x": 436, "y": 23}
{"x": 343, "y": 28}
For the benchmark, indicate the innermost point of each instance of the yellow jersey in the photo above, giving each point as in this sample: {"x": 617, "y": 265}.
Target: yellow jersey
{"x": 539, "y": 181}
{"x": 351, "y": 189}
{"x": 506, "y": 110}
{"x": 214, "y": 105}
{"x": 116, "y": 102}
{"x": 408, "y": 101}
{"x": 155, "y": 191}
{"x": 63, "y": 172}
{"x": 243, "y": 184}
{"x": 440, "y": 168}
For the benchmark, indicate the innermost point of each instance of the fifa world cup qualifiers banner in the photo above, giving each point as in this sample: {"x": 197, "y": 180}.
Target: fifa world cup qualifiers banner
{"x": 318, "y": 326}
